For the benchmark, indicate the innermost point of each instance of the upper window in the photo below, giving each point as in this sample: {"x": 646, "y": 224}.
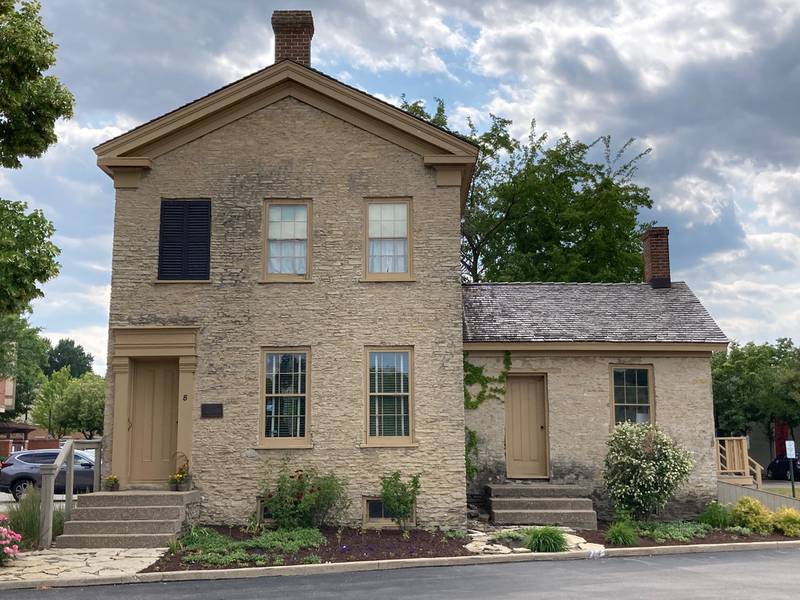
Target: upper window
{"x": 287, "y": 255}
{"x": 285, "y": 398}
{"x": 184, "y": 248}
{"x": 632, "y": 394}
{"x": 389, "y": 411}
{"x": 388, "y": 241}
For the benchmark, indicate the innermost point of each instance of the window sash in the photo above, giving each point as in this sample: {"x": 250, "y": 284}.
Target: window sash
{"x": 285, "y": 398}
{"x": 632, "y": 395}
{"x": 389, "y": 397}
{"x": 287, "y": 238}
{"x": 387, "y": 237}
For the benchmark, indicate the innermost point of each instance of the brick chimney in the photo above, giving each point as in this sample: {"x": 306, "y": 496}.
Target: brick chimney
{"x": 293, "y": 32}
{"x": 656, "y": 257}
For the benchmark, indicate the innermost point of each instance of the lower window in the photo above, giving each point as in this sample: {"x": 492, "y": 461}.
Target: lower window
{"x": 285, "y": 397}
{"x": 632, "y": 394}
{"x": 389, "y": 401}
{"x": 376, "y": 515}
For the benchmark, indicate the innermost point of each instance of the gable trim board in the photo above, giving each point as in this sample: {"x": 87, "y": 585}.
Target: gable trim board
{"x": 127, "y": 155}
{"x": 595, "y": 347}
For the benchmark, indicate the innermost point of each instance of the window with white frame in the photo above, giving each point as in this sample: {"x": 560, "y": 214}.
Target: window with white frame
{"x": 389, "y": 394}
{"x": 632, "y": 394}
{"x": 387, "y": 237}
{"x": 286, "y": 395}
{"x": 287, "y": 239}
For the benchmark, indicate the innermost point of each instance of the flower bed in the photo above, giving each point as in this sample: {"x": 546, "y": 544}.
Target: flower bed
{"x": 711, "y": 537}
{"x": 215, "y": 547}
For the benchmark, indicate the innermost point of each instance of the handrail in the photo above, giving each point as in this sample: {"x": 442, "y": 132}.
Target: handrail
{"x": 49, "y": 473}
{"x": 756, "y": 469}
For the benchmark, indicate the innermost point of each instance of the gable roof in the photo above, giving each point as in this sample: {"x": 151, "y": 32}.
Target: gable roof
{"x": 138, "y": 146}
{"x": 586, "y": 312}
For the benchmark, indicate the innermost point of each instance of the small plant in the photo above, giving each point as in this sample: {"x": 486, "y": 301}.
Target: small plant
{"x": 622, "y": 533}
{"x": 399, "y": 497}
{"x": 311, "y": 559}
{"x": 285, "y": 541}
{"x": 546, "y": 539}
{"x": 277, "y": 561}
{"x": 680, "y": 531}
{"x": 306, "y": 498}
{"x": 742, "y": 531}
{"x": 787, "y": 521}
{"x": 9, "y": 541}
{"x": 643, "y": 468}
{"x": 23, "y": 518}
{"x": 516, "y": 535}
{"x": 455, "y": 534}
{"x": 111, "y": 483}
{"x": 749, "y": 512}
{"x": 715, "y": 515}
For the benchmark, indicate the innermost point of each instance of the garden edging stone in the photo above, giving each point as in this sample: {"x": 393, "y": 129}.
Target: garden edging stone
{"x": 382, "y": 565}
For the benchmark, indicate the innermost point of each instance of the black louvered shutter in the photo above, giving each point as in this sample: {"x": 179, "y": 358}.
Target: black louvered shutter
{"x": 184, "y": 249}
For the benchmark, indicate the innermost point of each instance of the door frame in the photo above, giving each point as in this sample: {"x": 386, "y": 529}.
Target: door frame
{"x": 543, "y": 375}
{"x": 128, "y": 344}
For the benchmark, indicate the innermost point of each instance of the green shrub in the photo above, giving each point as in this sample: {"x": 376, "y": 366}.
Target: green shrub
{"x": 736, "y": 530}
{"x": 749, "y": 512}
{"x": 455, "y": 534}
{"x": 203, "y": 538}
{"x": 23, "y": 517}
{"x": 546, "y": 539}
{"x": 307, "y": 498}
{"x": 220, "y": 559}
{"x": 622, "y": 533}
{"x": 680, "y": 531}
{"x": 787, "y": 521}
{"x": 516, "y": 535}
{"x": 311, "y": 559}
{"x": 399, "y": 497}
{"x": 643, "y": 468}
{"x": 285, "y": 541}
{"x": 716, "y": 515}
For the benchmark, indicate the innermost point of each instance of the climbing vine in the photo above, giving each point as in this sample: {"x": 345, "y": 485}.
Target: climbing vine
{"x": 490, "y": 388}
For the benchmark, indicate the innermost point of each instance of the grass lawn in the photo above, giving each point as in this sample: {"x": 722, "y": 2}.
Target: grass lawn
{"x": 784, "y": 491}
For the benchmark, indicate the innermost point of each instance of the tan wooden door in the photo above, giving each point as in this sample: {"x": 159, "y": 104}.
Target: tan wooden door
{"x": 526, "y": 427}
{"x": 154, "y": 420}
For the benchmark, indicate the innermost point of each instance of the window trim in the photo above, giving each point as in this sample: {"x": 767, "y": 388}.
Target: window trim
{"x": 408, "y": 275}
{"x": 282, "y": 443}
{"x": 383, "y": 441}
{"x": 368, "y": 523}
{"x": 650, "y": 384}
{"x": 266, "y": 276}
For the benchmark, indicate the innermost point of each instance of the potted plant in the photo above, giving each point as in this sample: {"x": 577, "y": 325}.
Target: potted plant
{"x": 111, "y": 483}
{"x": 181, "y": 480}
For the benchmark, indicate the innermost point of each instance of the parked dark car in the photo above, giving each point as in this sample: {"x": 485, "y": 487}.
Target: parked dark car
{"x": 21, "y": 471}
{"x": 779, "y": 469}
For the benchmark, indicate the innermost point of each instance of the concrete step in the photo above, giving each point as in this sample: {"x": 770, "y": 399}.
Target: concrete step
{"x": 537, "y": 490}
{"x": 128, "y": 513}
{"x": 121, "y": 527}
{"x": 540, "y": 504}
{"x": 138, "y": 498}
{"x": 579, "y": 519}
{"x": 102, "y": 540}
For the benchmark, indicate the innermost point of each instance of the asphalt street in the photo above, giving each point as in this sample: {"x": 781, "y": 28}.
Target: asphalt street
{"x": 730, "y": 575}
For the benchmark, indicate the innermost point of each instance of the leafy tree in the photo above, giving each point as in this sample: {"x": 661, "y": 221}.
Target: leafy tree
{"x": 49, "y": 410}
{"x": 26, "y": 362}
{"x": 547, "y": 212}
{"x": 27, "y": 256}
{"x": 30, "y": 101}
{"x": 83, "y": 404}
{"x": 67, "y": 353}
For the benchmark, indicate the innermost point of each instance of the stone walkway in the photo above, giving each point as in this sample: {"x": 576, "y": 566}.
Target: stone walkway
{"x": 79, "y": 563}
{"x": 488, "y": 540}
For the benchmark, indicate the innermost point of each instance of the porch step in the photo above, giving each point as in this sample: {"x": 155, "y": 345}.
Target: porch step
{"x": 138, "y": 498}
{"x": 127, "y": 513}
{"x": 537, "y": 490}
{"x": 540, "y": 504}
{"x": 578, "y": 519}
{"x": 121, "y": 527}
{"x": 125, "y": 540}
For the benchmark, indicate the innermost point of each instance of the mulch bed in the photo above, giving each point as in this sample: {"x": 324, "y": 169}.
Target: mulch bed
{"x": 345, "y": 545}
{"x": 713, "y": 537}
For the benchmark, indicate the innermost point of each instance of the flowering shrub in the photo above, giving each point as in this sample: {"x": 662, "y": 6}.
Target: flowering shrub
{"x": 9, "y": 541}
{"x": 306, "y": 499}
{"x": 752, "y": 514}
{"x": 643, "y": 468}
{"x": 787, "y": 521}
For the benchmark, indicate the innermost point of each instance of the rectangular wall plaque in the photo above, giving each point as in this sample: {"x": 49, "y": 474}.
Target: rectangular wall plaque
{"x": 211, "y": 411}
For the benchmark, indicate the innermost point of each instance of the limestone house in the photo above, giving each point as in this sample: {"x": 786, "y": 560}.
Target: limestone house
{"x": 286, "y": 287}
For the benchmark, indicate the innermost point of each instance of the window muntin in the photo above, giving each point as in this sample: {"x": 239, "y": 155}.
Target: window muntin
{"x": 387, "y": 237}
{"x": 632, "y": 394}
{"x": 285, "y": 398}
{"x": 376, "y": 515}
{"x": 287, "y": 239}
{"x": 389, "y": 394}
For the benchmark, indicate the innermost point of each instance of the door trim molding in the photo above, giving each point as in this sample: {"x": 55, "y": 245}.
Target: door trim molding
{"x": 543, "y": 376}
{"x": 128, "y": 343}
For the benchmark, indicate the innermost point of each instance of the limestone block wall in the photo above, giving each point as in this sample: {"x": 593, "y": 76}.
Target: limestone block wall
{"x": 292, "y": 150}
{"x": 580, "y": 417}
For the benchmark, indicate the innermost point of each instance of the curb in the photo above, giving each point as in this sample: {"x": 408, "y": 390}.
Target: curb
{"x": 388, "y": 565}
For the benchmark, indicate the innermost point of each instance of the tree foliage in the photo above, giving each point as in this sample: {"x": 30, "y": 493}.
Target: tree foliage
{"x": 541, "y": 211}
{"x": 66, "y": 353}
{"x": 30, "y": 101}
{"x": 48, "y": 410}
{"x": 83, "y": 405}
{"x": 24, "y": 356}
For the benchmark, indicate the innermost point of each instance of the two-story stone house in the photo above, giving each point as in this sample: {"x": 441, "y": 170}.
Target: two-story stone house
{"x": 286, "y": 286}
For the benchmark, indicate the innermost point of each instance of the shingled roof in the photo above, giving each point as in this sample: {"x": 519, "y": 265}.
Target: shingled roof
{"x": 586, "y": 312}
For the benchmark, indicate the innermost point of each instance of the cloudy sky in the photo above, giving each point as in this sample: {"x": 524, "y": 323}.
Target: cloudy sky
{"x": 712, "y": 86}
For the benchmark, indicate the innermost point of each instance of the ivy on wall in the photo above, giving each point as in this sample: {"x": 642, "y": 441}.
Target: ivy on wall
{"x": 490, "y": 388}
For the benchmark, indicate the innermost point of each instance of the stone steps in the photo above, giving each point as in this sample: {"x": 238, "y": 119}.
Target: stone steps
{"x": 537, "y": 490}
{"x": 138, "y": 498}
{"x": 577, "y": 519}
{"x": 121, "y": 527}
{"x": 129, "y": 540}
{"x": 540, "y": 504}
{"x": 127, "y": 513}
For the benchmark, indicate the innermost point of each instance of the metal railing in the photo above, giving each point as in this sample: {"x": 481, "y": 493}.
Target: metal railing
{"x": 49, "y": 473}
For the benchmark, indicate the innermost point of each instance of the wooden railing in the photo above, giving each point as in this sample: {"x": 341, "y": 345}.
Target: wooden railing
{"x": 734, "y": 461}
{"x": 49, "y": 474}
